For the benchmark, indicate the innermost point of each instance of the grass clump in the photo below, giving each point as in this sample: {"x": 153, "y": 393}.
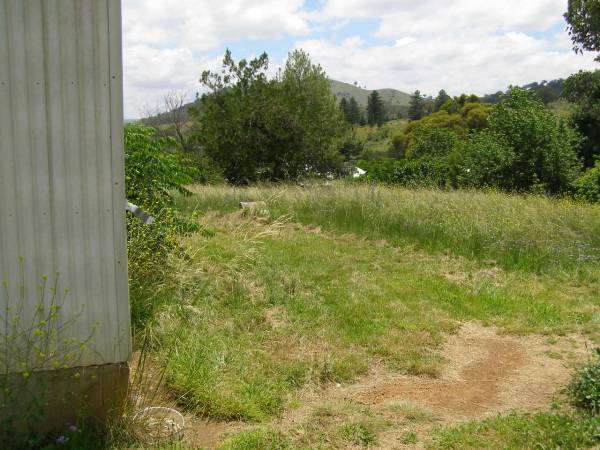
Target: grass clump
{"x": 358, "y": 433}
{"x": 256, "y": 439}
{"x": 521, "y": 431}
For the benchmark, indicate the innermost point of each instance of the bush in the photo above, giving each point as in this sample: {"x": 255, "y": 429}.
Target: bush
{"x": 153, "y": 173}
{"x": 545, "y": 158}
{"x": 152, "y": 170}
{"x": 431, "y": 141}
{"x": 584, "y": 389}
{"x": 587, "y": 187}
{"x": 409, "y": 173}
{"x": 351, "y": 147}
{"x": 484, "y": 160}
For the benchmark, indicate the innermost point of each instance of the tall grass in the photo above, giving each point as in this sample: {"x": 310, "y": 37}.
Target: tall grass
{"x": 530, "y": 233}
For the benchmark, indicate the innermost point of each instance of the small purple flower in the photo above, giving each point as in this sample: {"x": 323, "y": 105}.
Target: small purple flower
{"x": 74, "y": 429}
{"x": 62, "y": 440}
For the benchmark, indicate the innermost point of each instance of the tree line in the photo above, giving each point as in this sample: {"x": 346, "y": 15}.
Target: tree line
{"x": 251, "y": 127}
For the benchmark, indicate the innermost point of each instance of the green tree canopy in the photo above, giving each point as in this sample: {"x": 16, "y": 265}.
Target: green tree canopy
{"x": 375, "y": 109}
{"x": 354, "y": 112}
{"x": 416, "y": 109}
{"x": 583, "y": 18}
{"x": 583, "y": 91}
{"x": 344, "y": 107}
{"x": 254, "y": 128}
{"x": 441, "y": 100}
{"x": 544, "y": 149}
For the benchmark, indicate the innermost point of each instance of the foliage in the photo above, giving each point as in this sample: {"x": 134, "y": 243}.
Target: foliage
{"x": 409, "y": 173}
{"x": 470, "y": 117}
{"x": 351, "y": 147}
{"x": 37, "y": 336}
{"x": 152, "y": 171}
{"x": 545, "y": 159}
{"x": 583, "y": 91}
{"x": 375, "y": 109}
{"x": 355, "y": 115}
{"x": 583, "y": 18}
{"x": 416, "y": 108}
{"x": 260, "y": 129}
{"x": 351, "y": 110}
{"x": 584, "y": 388}
{"x": 441, "y": 100}
{"x": 587, "y": 187}
{"x": 484, "y": 160}
{"x": 431, "y": 141}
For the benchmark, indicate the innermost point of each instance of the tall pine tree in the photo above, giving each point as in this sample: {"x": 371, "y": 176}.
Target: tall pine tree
{"x": 355, "y": 114}
{"x": 375, "y": 109}
{"x": 441, "y": 100}
{"x": 416, "y": 110}
{"x": 344, "y": 107}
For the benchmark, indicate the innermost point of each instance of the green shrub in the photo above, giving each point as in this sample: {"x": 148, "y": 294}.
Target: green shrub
{"x": 584, "y": 389}
{"x": 587, "y": 187}
{"x": 484, "y": 160}
{"x": 153, "y": 172}
{"x": 431, "y": 141}
{"x": 545, "y": 157}
{"x": 409, "y": 173}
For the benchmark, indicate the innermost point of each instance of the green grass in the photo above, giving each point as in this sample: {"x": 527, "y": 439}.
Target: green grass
{"x": 528, "y": 233}
{"x": 338, "y": 279}
{"x": 521, "y": 431}
{"x": 262, "y": 307}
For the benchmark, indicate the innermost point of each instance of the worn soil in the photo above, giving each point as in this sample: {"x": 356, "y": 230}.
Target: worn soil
{"x": 484, "y": 373}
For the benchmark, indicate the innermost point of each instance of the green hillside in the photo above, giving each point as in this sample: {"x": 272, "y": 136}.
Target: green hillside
{"x": 390, "y": 96}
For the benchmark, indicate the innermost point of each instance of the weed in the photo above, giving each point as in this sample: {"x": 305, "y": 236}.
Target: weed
{"x": 584, "y": 388}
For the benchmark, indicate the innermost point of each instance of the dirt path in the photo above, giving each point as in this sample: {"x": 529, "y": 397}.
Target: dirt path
{"x": 485, "y": 373}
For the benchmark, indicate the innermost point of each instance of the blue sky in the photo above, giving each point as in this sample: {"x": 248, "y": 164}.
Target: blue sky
{"x": 475, "y": 46}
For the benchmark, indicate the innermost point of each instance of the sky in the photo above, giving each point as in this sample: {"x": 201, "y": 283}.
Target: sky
{"x": 471, "y": 46}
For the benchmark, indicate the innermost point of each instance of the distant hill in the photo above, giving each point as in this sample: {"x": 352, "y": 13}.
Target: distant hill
{"x": 547, "y": 91}
{"x": 395, "y": 101}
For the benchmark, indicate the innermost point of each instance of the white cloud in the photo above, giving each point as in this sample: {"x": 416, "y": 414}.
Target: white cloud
{"x": 475, "y": 46}
{"x": 206, "y": 24}
{"x": 439, "y": 16}
{"x": 462, "y": 63}
{"x": 167, "y": 43}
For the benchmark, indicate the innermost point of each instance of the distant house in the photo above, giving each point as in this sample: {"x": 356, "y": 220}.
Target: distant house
{"x": 357, "y": 172}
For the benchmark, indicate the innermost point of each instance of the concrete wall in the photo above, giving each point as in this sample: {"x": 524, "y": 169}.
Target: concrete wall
{"x": 62, "y": 168}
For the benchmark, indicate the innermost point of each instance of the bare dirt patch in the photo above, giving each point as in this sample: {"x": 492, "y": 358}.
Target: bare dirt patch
{"x": 485, "y": 373}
